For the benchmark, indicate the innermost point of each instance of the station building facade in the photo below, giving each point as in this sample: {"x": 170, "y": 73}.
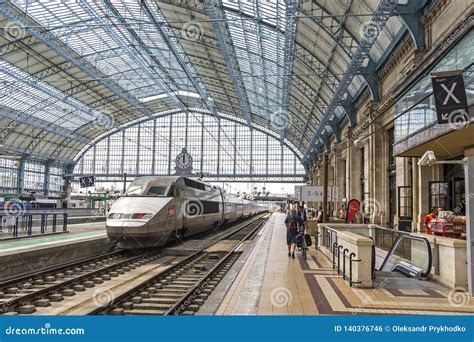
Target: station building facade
{"x": 375, "y": 159}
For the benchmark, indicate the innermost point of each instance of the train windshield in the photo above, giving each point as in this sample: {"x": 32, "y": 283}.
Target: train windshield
{"x": 156, "y": 191}
{"x": 135, "y": 190}
{"x": 138, "y": 190}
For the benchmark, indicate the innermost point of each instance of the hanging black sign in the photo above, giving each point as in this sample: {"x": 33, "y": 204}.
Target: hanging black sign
{"x": 450, "y": 97}
{"x": 86, "y": 182}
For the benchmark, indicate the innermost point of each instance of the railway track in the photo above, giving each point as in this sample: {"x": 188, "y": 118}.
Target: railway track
{"x": 37, "y": 292}
{"x": 184, "y": 287}
{"x": 24, "y": 294}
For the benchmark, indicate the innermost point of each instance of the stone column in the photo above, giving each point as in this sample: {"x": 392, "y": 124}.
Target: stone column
{"x": 469, "y": 181}
{"x": 325, "y": 187}
{"x": 415, "y": 196}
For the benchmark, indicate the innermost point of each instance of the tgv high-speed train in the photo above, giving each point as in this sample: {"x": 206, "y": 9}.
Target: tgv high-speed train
{"x": 157, "y": 209}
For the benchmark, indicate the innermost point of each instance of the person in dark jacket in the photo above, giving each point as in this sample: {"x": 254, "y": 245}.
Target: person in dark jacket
{"x": 292, "y": 221}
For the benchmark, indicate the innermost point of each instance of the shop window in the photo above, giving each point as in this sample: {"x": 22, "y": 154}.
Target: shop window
{"x": 439, "y": 195}
{"x": 405, "y": 202}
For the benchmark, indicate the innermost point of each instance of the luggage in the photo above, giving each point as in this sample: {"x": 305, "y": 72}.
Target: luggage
{"x": 308, "y": 240}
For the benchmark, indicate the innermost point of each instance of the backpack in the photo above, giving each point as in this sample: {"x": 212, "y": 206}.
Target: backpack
{"x": 292, "y": 224}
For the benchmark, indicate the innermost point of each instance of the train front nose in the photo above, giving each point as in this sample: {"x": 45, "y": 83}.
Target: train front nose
{"x": 121, "y": 229}
{"x": 130, "y": 217}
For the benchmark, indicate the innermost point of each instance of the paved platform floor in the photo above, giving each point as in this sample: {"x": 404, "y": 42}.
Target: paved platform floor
{"x": 270, "y": 283}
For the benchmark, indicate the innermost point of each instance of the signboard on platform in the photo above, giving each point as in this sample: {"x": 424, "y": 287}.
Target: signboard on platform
{"x": 315, "y": 193}
{"x": 450, "y": 97}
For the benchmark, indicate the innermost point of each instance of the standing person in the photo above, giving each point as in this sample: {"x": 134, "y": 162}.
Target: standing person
{"x": 302, "y": 213}
{"x": 320, "y": 215}
{"x": 292, "y": 221}
{"x": 428, "y": 218}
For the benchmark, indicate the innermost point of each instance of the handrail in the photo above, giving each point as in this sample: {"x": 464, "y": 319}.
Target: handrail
{"x": 411, "y": 237}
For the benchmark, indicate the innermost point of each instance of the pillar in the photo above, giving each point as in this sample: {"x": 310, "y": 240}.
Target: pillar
{"x": 469, "y": 181}
{"x": 47, "y": 172}
{"x": 21, "y": 177}
{"x": 415, "y": 196}
{"x": 325, "y": 187}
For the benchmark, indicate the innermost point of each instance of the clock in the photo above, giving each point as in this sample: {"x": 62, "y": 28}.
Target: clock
{"x": 184, "y": 162}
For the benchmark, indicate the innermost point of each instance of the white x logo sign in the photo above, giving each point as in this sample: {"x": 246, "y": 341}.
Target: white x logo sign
{"x": 450, "y": 93}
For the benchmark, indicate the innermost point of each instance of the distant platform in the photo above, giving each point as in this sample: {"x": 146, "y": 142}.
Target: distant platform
{"x": 268, "y": 282}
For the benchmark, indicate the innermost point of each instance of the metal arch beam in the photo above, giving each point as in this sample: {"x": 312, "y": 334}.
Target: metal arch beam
{"x": 330, "y": 62}
{"x": 289, "y": 53}
{"x": 174, "y": 45}
{"x": 379, "y": 19}
{"x": 26, "y": 119}
{"x": 335, "y": 129}
{"x": 221, "y": 30}
{"x": 348, "y": 106}
{"x": 411, "y": 14}
{"x": 371, "y": 78}
{"x": 326, "y": 142}
{"x": 53, "y": 43}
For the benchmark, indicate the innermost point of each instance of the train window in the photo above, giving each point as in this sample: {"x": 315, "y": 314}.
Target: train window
{"x": 157, "y": 191}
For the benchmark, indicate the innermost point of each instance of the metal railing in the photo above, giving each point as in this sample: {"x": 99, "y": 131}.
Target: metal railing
{"x": 32, "y": 223}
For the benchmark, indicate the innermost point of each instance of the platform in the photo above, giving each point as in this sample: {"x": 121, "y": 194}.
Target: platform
{"x": 30, "y": 253}
{"x": 268, "y": 282}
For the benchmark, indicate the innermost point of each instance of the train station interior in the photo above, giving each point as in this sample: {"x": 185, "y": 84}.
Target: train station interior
{"x": 236, "y": 157}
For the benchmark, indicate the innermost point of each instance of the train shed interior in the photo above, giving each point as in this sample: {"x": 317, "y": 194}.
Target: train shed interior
{"x": 236, "y": 157}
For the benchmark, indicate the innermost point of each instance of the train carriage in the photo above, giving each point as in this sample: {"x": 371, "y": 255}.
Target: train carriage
{"x": 158, "y": 209}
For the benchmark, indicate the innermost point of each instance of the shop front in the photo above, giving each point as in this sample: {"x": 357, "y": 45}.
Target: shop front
{"x": 443, "y": 184}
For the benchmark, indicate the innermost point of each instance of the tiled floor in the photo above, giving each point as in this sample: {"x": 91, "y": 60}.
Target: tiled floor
{"x": 285, "y": 286}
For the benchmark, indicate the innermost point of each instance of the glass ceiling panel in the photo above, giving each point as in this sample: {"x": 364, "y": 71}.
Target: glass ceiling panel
{"x": 89, "y": 37}
{"x": 259, "y": 51}
{"x": 42, "y": 101}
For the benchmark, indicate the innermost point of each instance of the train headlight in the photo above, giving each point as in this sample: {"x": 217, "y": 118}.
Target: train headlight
{"x": 142, "y": 216}
{"x": 115, "y": 216}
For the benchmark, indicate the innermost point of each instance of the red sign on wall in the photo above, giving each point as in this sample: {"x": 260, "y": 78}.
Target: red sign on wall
{"x": 352, "y": 209}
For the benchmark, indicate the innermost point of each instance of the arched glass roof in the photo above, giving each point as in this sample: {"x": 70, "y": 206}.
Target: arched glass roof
{"x": 71, "y": 71}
